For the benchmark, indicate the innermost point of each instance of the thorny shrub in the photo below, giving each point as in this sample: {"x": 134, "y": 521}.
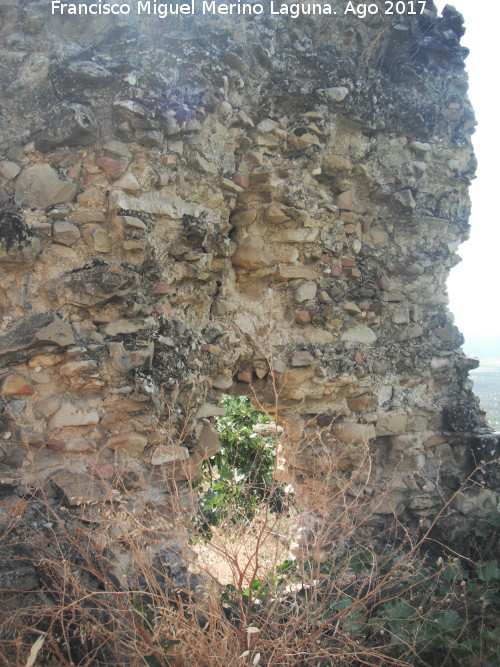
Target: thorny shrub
{"x": 384, "y": 602}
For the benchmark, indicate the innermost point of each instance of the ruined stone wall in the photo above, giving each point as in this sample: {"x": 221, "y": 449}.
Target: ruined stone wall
{"x": 260, "y": 206}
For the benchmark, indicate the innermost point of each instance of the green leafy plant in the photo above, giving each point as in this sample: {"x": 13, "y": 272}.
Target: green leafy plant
{"x": 239, "y": 478}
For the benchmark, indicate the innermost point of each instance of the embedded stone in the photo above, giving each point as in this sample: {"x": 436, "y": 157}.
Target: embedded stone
{"x": 19, "y": 244}
{"x": 319, "y": 336}
{"x": 129, "y": 442}
{"x": 78, "y": 368}
{"x": 208, "y": 441}
{"x": 224, "y": 307}
{"x": 359, "y": 334}
{"x": 46, "y": 407}
{"x": 256, "y": 158}
{"x": 422, "y": 502}
{"x": 130, "y": 221}
{"x": 434, "y": 440}
{"x": 24, "y": 578}
{"x": 267, "y": 125}
{"x": 250, "y": 254}
{"x": 15, "y": 385}
{"x": 306, "y": 292}
{"x": 351, "y": 307}
{"x": 222, "y": 382}
{"x": 275, "y": 215}
{"x": 41, "y": 378}
{"x": 420, "y": 146}
{"x": 446, "y": 333}
{"x": 15, "y": 408}
{"x": 171, "y": 126}
{"x": 211, "y": 349}
{"x": 353, "y": 433}
{"x": 334, "y": 163}
{"x": 302, "y": 358}
{"x": 93, "y": 286}
{"x": 335, "y": 94}
{"x": 401, "y": 315}
{"x": 88, "y": 215}
{"x": 57, "y": 332}
{"x": 302, "y": 317}
{"x": 36, "y": 329}
{"x": 79, "y": 75}
{"x": 205, "y": 165}
{"x": 75, "y": 446}
{"x": 127, "y": 326}
{"x": 73, "y": 125}
{"x": 117, "y": 148}
{"x": 112, "y": 167}
{"x": 378, "y": 235}
{"x": 91, "y": 197}
{"x": 241, "y": 180}
{"x": 346, "y": 200}
{"x": 362, "y": 404}
{"x": 101, "y": 240}
{"x": 73, "y": 414}
{"x": 168, "y": 454}
{"x": 392, "y": 423}
{"x": 103, "y": 470}
{"x": 65, "y": 233}
{"x": 40, "y": 187}
{"x": 126, "y": 360}
{"x": 163, "y": 201}
{"x": 410, "y": 332}
{"x": 405, "y": 197}
{"x": 150, "y": 138}
{"x": 210, "y": 410}
{"x": 134, "y": 245}
{"x": 298, "y": 235}
{"x": 303, "y": 141}
{"x": 9, "y": 170}
{"x": 477, "y": 502}
{"x": 244, "y": 376}
{"x": 78, "y": 489}
{"x": 279, "y": 366}
{"x": 243, "y": 218}
{"x": 128, "y": 182}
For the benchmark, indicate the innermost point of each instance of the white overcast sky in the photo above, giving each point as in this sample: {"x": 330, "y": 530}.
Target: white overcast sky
{"x": 474, "y": 284}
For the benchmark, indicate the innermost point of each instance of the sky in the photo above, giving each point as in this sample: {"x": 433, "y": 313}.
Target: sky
{"x": 474, "y": 284}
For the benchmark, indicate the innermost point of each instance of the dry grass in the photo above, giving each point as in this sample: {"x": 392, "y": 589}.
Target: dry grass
{"x": 231, "y": 605}
{"x": 117, "y": 583}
